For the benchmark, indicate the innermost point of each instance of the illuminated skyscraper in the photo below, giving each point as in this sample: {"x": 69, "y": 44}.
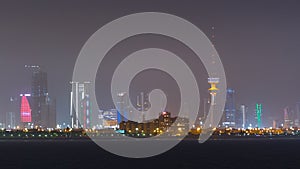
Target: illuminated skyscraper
{"x": 213, "y": 92}
{"x": 143, "y": 104}
{"x": 230, "y": 110}
{"x": 287, "y": 120}
{"x": 258, "y": 110}
{"x": 25, "y": 110}
{"x": 243, "y": 116}
{"x": 43, "y": 110}
{"x": 80, "y": 107}
{"x": 123, "y": 107}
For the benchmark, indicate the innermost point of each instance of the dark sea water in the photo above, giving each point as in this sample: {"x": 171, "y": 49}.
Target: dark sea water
{"x": 214, "y": 154}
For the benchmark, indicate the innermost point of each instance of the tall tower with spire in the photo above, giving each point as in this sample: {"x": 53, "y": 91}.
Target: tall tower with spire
{"x": 213, "y": 92}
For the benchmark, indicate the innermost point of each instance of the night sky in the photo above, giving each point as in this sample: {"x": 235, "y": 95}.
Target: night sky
{"x": 258, "y": 43}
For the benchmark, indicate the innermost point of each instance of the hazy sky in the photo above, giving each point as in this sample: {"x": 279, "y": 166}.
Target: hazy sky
{"x": 257, "y": 42}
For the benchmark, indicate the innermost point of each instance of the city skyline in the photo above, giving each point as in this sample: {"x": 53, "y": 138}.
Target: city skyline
{"x": 259, "y": 50}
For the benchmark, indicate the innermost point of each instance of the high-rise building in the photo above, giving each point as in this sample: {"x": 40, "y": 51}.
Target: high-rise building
{"x": 143, "y": 104}
{"x": 165, "y": 120}
{"x": 43, "y": 111}
{"x": 123, "y": 107}
{"x": 230, "y": 110}
{"x": 258, "y": 111}
{"x": 12, "y": 117}
{"x": 286, "y": 118}
{"x": 10, "y": 120}
{"x": 25, "y": 111}
{"x": 243, "y": 116}
{"x": 297, "y": 115}
{"x": 206, "y": 106}
{"x": 80, "y": 107}
{"x": 39, "y": 92}
{"x": 48, "y": 113}
{"x": 274, "y": 124}
{"x": 213, "y": 93}
{"x": 98, "y": 122}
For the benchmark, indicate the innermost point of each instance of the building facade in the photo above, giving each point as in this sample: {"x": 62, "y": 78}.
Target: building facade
{"x": 39, "y": 93}
{"x": 25, "y": 111}
{"x": 48, "y": 113}
{"x": 80, "y": 106}
{"x": 229, "y": 118}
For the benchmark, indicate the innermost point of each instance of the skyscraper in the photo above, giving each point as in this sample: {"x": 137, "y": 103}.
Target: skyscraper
{"x": 123, "y": 107}
{"x": 48, "y": 113}
{"x": 43, "y": 110}
{"x": 230, "y": 110}
{"x": 10, "y": 120}
{"x": 25, "y": 111}
{"x": 80, "y": 107}
{"x": 286, "y": 117}
{"x": 206, "y": 106}
{"x": 12, "y": 117}
{"x": 213, "y": 92}
{"x": 258, "y": 110}
{"x": 39, "y": 92}
{"x": 243, "y": 116}
{"x": 297, "y": 115}
{"x": 143, "y": 104}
